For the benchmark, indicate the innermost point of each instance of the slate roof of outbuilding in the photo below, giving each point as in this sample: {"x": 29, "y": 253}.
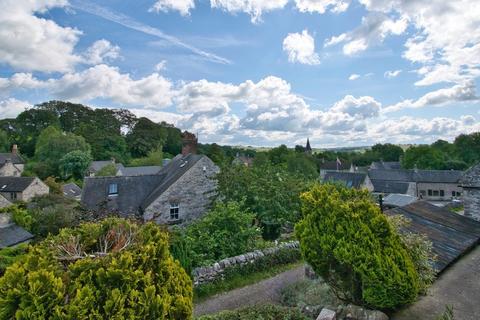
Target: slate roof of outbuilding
{"x": 71, "y": 190}
{"x": 15, "y": 184}
{"x": 429, "y": 176}
{"x": 384, "y": 186}
{"x": 12, "y": 235}
{"x": 350, "y": 179}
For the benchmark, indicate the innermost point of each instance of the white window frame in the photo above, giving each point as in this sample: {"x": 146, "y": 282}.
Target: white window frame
{"x": 174, "y": 210}
{"x": 113, "y": 189}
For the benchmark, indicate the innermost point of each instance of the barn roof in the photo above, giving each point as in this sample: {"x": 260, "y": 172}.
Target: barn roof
{"x": 350, "y": 179}
{"x": 451, "y": 233}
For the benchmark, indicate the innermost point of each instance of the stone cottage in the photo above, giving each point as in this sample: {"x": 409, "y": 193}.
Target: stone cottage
{"x": 181, "y": 192}
{"x": 470, "y": 183}
{"x": 22, "y": 188}
{"x": 11, "y": 164}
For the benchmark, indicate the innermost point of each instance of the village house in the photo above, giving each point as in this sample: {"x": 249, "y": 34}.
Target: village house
{"x": 10, "y": 233}
{"x": 337, "y": 165}
{"x": 72, "y": 191}
{"x": 22, "y": 188}
{"x": 11, "y": 164}
{"x": 357, "y": 180}
{"x": 179, "y": 193}
{"x": 434, "y": 185}
{"x": 470, "y": 183}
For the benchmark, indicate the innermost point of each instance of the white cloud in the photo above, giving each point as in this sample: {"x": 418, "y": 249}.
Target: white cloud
{"x": 182, "y": 6}
{"x": 255, "y": 8}
{"x": 300, "y": 48}
{"x": 362, "y": 107}
{"x": 162, "y": 65}
{"x": 353, "y": 76}
{"x": 11, "y": 107}
{"x": 321, "y": 6}
{"x": 101, "y": 51}
{"x": 392, "y": 73}
{"x": 30, "y": 43}
{"x": 465, "y": 92}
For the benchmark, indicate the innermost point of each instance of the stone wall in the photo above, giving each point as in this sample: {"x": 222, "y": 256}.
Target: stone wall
{"x": 217, "y": 270}
{"x": 36, "y": 188}
{"x": 446, "y": 187}
{"x": 4, "y": 202}
{"x": 193, "y": 192}
{"x": 471, "y": 203}
{"x": 11, "y": 170}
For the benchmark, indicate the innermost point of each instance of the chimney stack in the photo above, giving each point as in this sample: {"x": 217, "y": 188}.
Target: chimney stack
{"x": 14, "y": 149}
{"x": 189, "y": 143}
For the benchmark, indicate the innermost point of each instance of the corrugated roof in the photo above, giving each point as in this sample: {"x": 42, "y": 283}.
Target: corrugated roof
{"x": 15, "y": 184}
{"x": 12, "y": 235}
{"x": 451, "y": 234}
{"x": 350, "y": 179}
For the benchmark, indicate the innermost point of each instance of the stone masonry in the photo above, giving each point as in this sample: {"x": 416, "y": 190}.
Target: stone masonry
{"x": 36, "y": 188}
{"x": 471, "y": 192}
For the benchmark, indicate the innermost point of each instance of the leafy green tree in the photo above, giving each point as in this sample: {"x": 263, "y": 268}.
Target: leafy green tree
{"x": 112, "y": 269}
{"x": 145, "y": 137}
{"x": 53, "y": 145}
{"x": 4, "y": 142}
{"x": 303, "y": 165}
{"x": 173, "y": 143}
{"x": 74, "y": 164}
{"x": 388, "y": 151}
{"x": 351, "y": 245}
{"x": 107, "y": 171}
{"x": 467, "y": 147}
{"x": 154, "y": 158}
{"x": 225, "y": 231}
{"x": 423, "y": 157}
{"x": 279, "y": 154}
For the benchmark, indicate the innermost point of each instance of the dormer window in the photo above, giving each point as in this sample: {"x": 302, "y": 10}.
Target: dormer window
{"x": 174, "y": 209}
{"x": 113, "y": 189}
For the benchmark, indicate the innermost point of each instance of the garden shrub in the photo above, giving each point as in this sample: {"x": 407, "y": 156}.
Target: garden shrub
{"x": 350, "y": 244}
{"x": 259, "y": 312}
{"x": 113, "y": 269}
{"x": 10, "y": 255}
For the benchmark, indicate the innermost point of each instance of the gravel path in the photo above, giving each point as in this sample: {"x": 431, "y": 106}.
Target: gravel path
{"x": 266, "y": 291}
{"x": 458, "y": 286}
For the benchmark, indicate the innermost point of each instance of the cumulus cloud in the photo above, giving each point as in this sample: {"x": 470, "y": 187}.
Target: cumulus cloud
{"x": 255, "y": 8}
{"x": 363, "y": 107}
{"x": 465, "y": 92}
{"x": 321, "y": 6}
{"x": 353, "y": 76}
{"x": 11, "y": 107}
{"x": 300, "y": 48}
{"x": 182, "y": 6}
{"x": 31, "y": 43}
{"x": 374, "y": 29}
{"x": 101, "y": 51}
{"x": 392, "y": 73}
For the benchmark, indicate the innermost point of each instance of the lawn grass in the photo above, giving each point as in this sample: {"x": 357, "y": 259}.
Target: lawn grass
{"x": 205, "y": 291}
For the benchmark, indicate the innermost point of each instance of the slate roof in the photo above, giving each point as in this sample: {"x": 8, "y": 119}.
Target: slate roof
{"x": 12, "y": 235}
{"x": 384, "y": 186}
{"x": 15, "y": 184}
{"x": 71, "y": 190}
{"x": 391, "y": 175}
{"x": 332, "y": 165}
{"x": 451, "y": 234}
{"x": 15, "y": 158}
{"x": 471, "y": 177}
{"x": 350, "y": 179}
{"x": 386, "y": 165}
{"x": 135, "y": 193}
{"x": 140, "y": 171}
{"x": 398, "y": 200}
{"x": 96, "y": 166}
{"x": 429, "y": 176}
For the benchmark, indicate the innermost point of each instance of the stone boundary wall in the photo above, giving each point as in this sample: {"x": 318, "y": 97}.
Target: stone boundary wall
{"x": 216, "y": 271}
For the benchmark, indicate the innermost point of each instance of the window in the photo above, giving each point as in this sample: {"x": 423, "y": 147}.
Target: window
{"x": 423, "y": 193}
{"x": 113, "y": 189}
{"x": 442, "y": 193}
{"x": 435, "y": 193}
{"x": 174, "y": 208}
{"x": 453, "y": 193}
{"x": 13, "y": 195}
{"x": 429, "y": 192}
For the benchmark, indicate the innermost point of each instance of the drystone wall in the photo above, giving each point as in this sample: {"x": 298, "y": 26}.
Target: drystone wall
{"x": 216, "y": 271}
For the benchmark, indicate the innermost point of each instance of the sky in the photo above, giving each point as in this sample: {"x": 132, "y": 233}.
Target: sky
{"x": 254, "y": 72}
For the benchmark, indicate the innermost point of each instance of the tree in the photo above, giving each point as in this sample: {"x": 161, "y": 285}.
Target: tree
{"x": 4, "y": 142}
{"x": 109, "y": 170}
{"x": 423, "y": 157}
{"x": 53, "y": 144}
{"x": 388, "y": 151}
{"x": 145, "y": 137}
{"x": 350, "y": 244}
{"x": 467, "y": 147}
{"x": 225, "y": 231}
{"x": 113, "y": 269}
{"x": 154, "y": 158}
{"x": 74, "y": 164}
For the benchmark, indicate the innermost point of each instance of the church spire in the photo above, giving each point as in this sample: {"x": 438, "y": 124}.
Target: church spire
{"x": 308, "y": 148}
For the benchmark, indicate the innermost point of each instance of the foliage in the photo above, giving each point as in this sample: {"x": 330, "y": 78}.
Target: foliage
{"x": 420, "y": 249}
{"x": 308, "y": 293}
{"x": 10, "y": 255}
{"x": 20, "y": 216}
{"x": 74, "y": 164}
{"x": 145, "y": 136}
{"x": 242, "y": 275}
{"x": 423, "y": 157}
{"x": 467, "y": 146}
{"x": 447, "y": 314}
{"x": 4, "y": 142}
{"x": 388, "y": 151}
{"x": 225, "y": 231}
{"x": 261, "y": 312}
{"x": 154, "y": 158}
{"x": 350, "y": 244}
{"x": 109, "y": 170}
{"x": 271, "y": 192}
{"x": 113, "y": 269}
{"x": 55, "y": 187}
{"x": 53, "y": 145}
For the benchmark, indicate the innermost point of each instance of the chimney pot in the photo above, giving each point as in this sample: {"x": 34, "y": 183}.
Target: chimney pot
{"x": 14, "y": 149}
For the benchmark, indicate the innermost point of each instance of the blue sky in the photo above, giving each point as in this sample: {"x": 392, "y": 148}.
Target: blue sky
{"x": 253, "y": 72}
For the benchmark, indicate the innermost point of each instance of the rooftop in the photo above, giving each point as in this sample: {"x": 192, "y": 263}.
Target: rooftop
{"x": 15, "y": 184}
